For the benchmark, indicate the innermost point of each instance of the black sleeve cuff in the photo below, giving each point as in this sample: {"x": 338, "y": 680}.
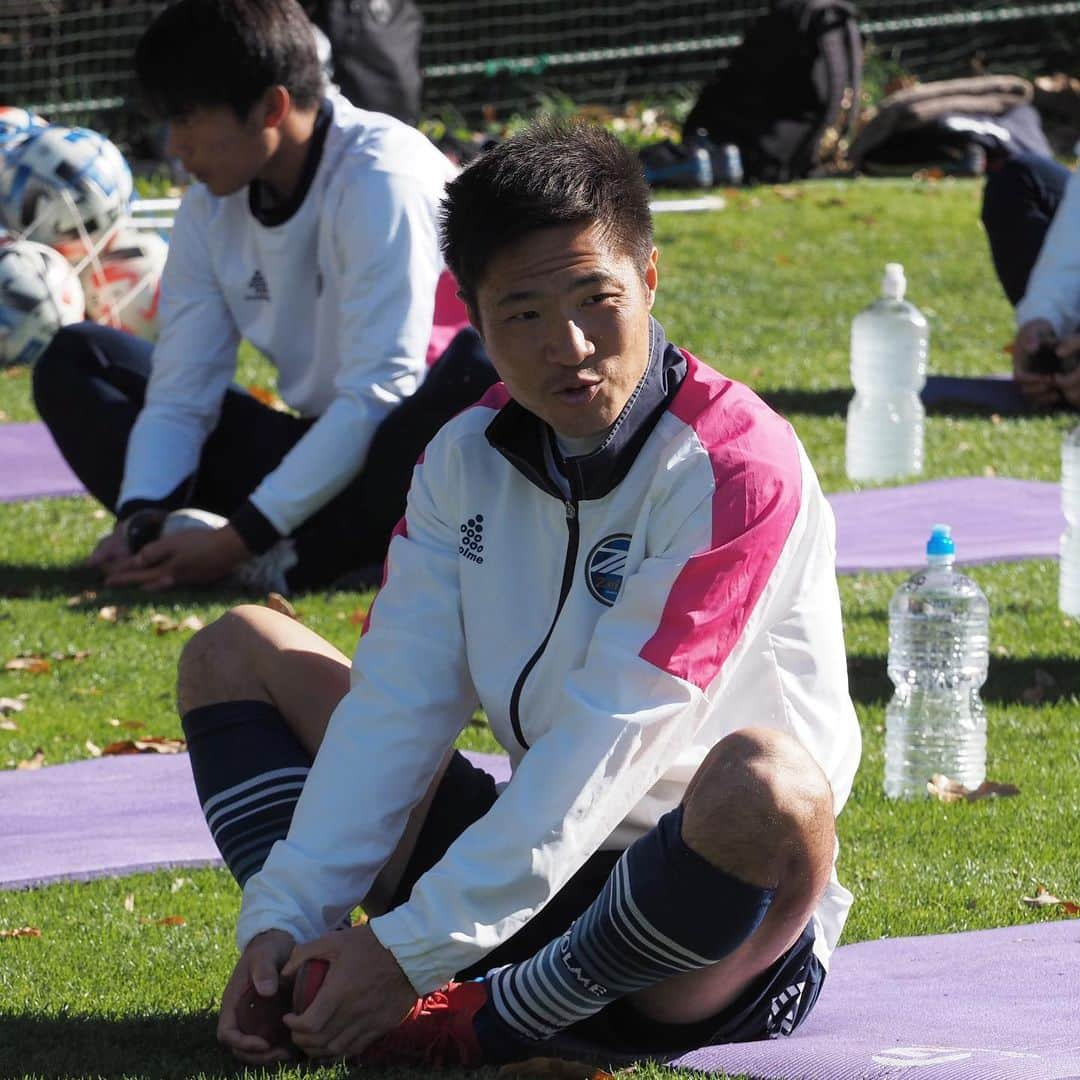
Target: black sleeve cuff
{"x": 133, "y": 506}
{"x": 254, "y": 528}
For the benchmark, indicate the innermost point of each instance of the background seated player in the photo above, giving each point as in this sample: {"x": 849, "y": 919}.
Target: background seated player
{"x": 1031, "y": 211}
{"x": 627, "y": 560}
{"x": 313, "y": 233}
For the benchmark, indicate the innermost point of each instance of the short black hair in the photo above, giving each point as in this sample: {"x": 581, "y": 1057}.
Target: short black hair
{"x": 551, "y": 173}
{"x": 210, "y": 53}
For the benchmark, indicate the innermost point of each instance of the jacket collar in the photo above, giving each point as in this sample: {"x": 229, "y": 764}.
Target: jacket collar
{"x": 520, "y": 435}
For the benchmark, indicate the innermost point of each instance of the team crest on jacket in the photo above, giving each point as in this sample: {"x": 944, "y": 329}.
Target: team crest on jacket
{"x": 605, "y": 567}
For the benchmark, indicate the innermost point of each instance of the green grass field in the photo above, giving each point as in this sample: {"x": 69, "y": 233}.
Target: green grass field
{"x": 765, "y": 291}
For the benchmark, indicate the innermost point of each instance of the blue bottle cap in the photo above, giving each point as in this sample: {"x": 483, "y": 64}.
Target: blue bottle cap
{"x": 941, "y": 541}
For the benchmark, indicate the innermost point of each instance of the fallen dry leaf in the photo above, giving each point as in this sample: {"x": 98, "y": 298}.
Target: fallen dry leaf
{"x": 276, "y": 602}
{"x": 35, "y": 761}
{"x": 268, "y": 397}
{"x": 78, "y": 655}
{"x": 169, "y": 920}
{"x": 178, "y": 884}
{"x": 127, "y": 725}
{"x": 152, "y": 744}
{"x": 92, "y": 748}
{"x": 947, "y": 790}
{"x": 35, "y": 665}
{"x": 357, "y": 617}
{"x": 163, "y": 624}
{"x": 1044, "y": 898}
{"x": 553, "y": 1068}
{"x": 8, "y": 705}
{"x": 21, "y": 931}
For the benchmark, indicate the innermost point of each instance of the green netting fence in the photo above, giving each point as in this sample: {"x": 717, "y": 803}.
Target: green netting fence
{"x": 70, "y": 59}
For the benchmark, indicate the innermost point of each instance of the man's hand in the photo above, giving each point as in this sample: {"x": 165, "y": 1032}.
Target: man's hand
{"x": 1040, "y": 390}
{"x": 192, "y": 557}
{"x": 259, "y": 965}
{"x": 1068, "y": 382}
{"x": 364, "y": 995}
{"x": 111, "y": 550}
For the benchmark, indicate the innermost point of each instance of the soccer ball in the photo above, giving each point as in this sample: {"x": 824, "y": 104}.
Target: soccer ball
{"x": 57, "y": 179}
{"x": 39, "y": 293}
{"x": 16, "y": 123}
{"x": 122, "y": 285}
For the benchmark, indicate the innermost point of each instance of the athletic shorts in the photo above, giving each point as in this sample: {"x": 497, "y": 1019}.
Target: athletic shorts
{"x": 773, "y": 1005}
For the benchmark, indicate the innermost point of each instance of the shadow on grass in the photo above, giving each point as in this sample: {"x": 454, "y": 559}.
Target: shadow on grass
{"x": 834, "y": 401}
{"x": 157, "y": 1047}
{"x": 830, "y": 402}
{"x": 1009, "y": 682}
{"x": 22, "y": 581}
{"x": 149, "y": 1046}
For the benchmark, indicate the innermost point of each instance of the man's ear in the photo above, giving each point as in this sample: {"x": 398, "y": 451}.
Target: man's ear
{"x": 652, "y": 275}
{"x": 273, "y": 106}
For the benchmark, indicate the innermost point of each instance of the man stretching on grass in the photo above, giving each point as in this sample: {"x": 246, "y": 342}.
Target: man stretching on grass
{"x": 625, "y": 558}
{"x": 311, "y": 232}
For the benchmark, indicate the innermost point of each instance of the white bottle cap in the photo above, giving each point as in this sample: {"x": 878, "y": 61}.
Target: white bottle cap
{"x": 894, "y": 284}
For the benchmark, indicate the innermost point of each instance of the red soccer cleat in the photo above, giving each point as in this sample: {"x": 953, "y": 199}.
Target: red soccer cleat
{"x": 438, "y": 1032}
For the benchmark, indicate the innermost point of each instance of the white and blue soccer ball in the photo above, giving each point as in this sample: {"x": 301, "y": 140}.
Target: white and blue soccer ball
{"x": 16, "y": 124}
{"x": 39, "y": 293}
{"x": 58, "y": 184}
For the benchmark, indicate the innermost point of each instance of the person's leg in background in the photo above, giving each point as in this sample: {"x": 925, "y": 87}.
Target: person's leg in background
{"x": 1019, "y": 202}
{"x": 352, "y": 531}
{"x": 89, "y": 386}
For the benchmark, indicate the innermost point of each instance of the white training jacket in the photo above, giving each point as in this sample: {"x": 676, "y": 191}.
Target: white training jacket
{"x": 1053, "y": 290}
{"x": 339, "y": 296}
{"x": 684, "y": 590}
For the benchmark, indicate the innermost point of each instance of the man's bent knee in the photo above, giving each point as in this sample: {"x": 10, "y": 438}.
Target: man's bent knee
{"x": 761, "y": 808}
{"x": 216, "y": 664}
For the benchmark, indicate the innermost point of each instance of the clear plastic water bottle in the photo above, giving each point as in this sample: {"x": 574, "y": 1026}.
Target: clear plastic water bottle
{"x": 889, "y": 345}
{"x": 939, "y": 622}
{"x": 1069, "y": 587}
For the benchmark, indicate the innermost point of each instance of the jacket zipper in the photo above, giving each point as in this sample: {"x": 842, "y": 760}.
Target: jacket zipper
{"x": 573, "y": 535}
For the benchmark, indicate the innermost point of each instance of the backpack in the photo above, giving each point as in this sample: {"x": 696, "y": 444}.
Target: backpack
{"x": 793, "y": 80}
{"x": 375, "y": 52}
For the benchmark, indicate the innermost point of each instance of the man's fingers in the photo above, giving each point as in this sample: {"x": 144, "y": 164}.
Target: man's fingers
{"x": 150, "y": 578}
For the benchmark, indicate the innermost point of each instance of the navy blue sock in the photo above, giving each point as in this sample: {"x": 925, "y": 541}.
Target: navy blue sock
{"x": 663, "y": 911}
{"x": 249, "y": 771}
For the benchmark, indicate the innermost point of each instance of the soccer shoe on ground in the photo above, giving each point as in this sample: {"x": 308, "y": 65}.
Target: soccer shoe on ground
{"x": 263, "y": 573}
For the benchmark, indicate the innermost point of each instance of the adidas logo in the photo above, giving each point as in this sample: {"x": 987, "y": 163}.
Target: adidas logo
{"x": 257, "y": 287}
{"x": 472, "y": 539}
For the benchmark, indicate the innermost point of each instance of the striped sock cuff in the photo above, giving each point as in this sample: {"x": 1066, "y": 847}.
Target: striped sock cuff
{"x": 249, "y": 771}
{"x": 663, "y": 911}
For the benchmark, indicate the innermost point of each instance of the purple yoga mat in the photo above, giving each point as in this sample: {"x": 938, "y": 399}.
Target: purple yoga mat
{"x": 114, "y": 815}
{"x": 31, "y": 466}
{"x": 993, "y": 519}
{"x": 987, "y": 1005}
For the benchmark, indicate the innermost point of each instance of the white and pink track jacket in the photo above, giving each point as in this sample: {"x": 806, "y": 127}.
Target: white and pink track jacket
{"x": 684, "y": 588}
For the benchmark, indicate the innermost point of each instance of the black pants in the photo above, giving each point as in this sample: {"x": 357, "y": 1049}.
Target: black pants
{"x": 90, "y": 384}
{"x": 1019, "y": 202}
